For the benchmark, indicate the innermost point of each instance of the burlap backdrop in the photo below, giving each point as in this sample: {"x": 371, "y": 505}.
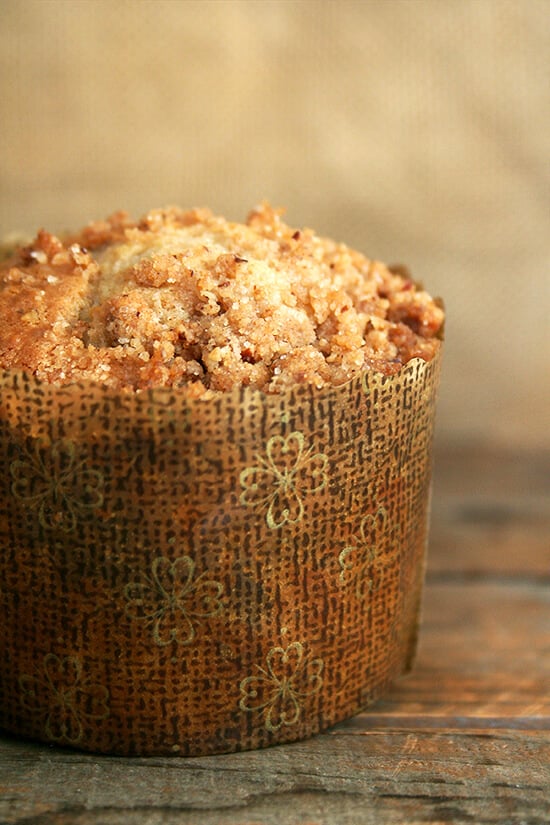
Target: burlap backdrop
{"x": 416, "y": 130}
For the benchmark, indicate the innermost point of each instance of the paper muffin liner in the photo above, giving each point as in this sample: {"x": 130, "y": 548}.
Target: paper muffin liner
{"x": 202, "y": 576}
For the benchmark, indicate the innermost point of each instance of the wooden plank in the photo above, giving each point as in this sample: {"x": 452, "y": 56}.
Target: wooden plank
{"x": 483, "y": 662}
{"x": 443, "y": 747}
{"x": 481, "y": 778}
{"x": 490, "y": 513}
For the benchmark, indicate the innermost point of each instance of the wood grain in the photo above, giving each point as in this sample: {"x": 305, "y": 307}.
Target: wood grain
{"x": 490, "y": 513}
{"x": 465, "y": 738}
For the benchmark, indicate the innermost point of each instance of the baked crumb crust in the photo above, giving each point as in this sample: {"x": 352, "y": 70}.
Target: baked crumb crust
{"x": 186, "y": 298}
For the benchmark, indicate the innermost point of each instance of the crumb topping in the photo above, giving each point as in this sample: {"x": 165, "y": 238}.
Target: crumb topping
{"x": 186, "y": 298}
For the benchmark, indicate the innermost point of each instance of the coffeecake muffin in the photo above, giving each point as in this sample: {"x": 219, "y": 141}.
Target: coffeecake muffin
{"x": 216, "y": 451}
{"x": 188, "y": 298}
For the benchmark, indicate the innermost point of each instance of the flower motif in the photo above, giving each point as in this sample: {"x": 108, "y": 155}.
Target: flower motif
{"x": 52, "y": 481}
{"x": 280, "y": 479}
{"x": 64, "y": 699}
{"x": 173, "y": 600}
{"x": 280, "y": 688}
{"x": 361, "y": 562}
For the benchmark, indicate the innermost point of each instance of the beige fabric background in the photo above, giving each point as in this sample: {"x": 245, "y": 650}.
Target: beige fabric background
{"x": 416, "y": 130}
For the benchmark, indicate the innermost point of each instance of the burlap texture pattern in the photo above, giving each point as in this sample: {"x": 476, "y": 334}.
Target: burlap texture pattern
{"x": 197, "y": 576}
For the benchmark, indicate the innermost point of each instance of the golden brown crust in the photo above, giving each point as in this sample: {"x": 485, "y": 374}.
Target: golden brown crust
{"x": 187, "y": 298}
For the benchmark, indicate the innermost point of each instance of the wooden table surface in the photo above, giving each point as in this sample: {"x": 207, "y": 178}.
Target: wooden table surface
{"x": 465, "y": 738}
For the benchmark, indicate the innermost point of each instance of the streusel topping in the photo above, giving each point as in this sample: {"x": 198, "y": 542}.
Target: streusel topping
{"x": 188, "y": 298}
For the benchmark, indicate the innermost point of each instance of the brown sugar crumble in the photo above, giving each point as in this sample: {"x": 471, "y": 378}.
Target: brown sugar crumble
{"x": 186, "y": 298}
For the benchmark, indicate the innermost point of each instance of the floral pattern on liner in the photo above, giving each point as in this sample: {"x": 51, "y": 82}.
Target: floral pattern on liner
{"x": 278, "y": 482}
{"x": 53, "y": 482}
{"x": 173, "y": 600}
{"x": 279, "y": 689}
{"x": 360, "y": 562}
{"x": 64, "y": 698}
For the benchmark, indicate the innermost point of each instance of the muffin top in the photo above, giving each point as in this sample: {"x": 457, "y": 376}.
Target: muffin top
{"x": 186, "y": 298}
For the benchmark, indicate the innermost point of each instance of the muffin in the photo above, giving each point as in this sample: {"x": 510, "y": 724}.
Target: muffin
{"x": 217, "y": 442}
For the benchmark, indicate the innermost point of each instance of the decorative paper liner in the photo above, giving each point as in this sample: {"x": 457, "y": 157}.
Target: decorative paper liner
{"x": 209, "y": 575}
